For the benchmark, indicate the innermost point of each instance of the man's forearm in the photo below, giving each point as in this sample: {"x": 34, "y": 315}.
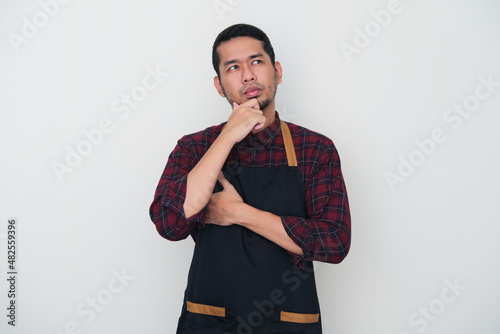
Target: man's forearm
{"x": 201, "y": 180}
{"x": 227, "y": 208}
{"x": 267, "y": 225}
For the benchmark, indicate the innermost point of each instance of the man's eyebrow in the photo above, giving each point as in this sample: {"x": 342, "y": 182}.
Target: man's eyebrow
{"x": 229, "y": 62}
{"x": 234, "y": 61}
{"x": 257, "y": 55}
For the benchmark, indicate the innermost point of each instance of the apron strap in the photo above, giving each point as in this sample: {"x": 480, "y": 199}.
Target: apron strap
{"x": 290, "y": 150}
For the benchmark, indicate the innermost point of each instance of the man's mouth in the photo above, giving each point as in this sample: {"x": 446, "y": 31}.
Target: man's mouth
{"x": 252, "y": 91}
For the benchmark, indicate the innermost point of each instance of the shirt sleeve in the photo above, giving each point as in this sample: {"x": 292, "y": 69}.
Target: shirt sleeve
{"x": 325, "y": 234}
{"x": 167, "y": 209}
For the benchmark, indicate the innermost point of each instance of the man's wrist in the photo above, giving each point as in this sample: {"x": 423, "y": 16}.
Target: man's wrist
{"x": 225, "y": 140}
{"x": 245, "y": 214}
{"x": 251, "y": 217}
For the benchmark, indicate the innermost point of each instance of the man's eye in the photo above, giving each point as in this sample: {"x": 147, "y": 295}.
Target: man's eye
{"x": 232, "y": 68}
{"x": 257, "y": 61}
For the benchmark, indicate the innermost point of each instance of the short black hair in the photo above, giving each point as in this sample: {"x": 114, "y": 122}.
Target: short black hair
{"x": 240, "y": 30}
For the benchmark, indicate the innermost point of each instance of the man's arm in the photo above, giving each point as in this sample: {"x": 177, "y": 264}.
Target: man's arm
{"x": 227, "y": 207}
{"x": 324, "y": 235}
{"x": 166, "y": 209}
{"x": 201, "y": 179}
{"x": 188, "y": 181}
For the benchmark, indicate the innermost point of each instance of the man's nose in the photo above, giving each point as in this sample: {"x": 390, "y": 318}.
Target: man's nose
{"x": 248, "y": 75}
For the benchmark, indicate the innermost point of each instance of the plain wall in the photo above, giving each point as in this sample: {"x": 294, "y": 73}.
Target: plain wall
{"x": 385, "y": 80}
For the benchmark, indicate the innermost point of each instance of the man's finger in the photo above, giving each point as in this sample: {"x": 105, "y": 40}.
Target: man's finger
{"x": 223, "y": 181}
{"x": 252, "y": 103}
{"x": 260, "y": 124}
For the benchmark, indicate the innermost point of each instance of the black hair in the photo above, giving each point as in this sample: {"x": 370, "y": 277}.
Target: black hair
{"x": 240, "y": 30}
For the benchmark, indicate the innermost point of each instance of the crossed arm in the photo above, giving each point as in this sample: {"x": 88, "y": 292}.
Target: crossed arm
{"x": 227, "y": 207}
{"x": 180, "y": 207}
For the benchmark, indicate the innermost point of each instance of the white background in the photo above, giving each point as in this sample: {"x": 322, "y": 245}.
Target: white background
{"x": 75, "y": 234}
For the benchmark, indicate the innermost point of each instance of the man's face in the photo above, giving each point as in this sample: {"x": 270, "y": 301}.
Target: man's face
{"x": 246, "y": 72}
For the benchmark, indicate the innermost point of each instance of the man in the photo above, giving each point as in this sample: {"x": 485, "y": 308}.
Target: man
{"x": 261, "y": 198}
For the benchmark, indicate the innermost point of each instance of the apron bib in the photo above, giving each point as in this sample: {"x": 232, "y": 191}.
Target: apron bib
{"x": 240, "y": 282}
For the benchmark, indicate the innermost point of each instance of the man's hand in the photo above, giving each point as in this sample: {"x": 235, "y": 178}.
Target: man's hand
{"x": 224, "y": 206}
{"x": 244, "y": 118}
{"x": 201, "y": 179}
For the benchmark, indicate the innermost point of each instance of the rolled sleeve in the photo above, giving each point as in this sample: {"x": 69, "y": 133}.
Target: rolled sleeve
{"x": 167, "y": 209}
{"x": 325, "y": 234}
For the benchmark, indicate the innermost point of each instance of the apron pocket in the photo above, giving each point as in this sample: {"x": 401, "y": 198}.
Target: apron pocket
{"x": 205, "y": 309}
{"x": 299, "y": 323}
{"x": 299, "y": 318}
{"x": 202, "y": 318}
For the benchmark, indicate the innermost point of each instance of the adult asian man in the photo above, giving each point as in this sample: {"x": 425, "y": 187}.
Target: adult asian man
{"x": 262, "y": 199}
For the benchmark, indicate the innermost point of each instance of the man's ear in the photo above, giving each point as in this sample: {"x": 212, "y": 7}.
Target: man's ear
{"x": 218, "y": 86}
{"x": 279, "y": 71}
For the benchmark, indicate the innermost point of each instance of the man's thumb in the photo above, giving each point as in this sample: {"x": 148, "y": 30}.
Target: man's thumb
{"x": 223, "y": 181}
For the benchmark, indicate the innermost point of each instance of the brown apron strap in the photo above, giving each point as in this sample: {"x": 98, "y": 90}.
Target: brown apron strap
{"x": 290, "y": 150}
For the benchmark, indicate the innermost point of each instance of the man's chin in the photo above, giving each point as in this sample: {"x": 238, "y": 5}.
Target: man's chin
{"x": 257, "y": 97}
{"x": 263, "y": 103}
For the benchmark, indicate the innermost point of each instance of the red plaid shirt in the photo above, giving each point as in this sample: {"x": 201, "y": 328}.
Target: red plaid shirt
{"x": 324, "y": 235}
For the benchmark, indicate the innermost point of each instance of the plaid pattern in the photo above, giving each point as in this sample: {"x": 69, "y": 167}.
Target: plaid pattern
{"x": 324, "y": 235}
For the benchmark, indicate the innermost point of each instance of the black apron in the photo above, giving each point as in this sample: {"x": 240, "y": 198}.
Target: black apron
{"x": 240, "y": 282}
